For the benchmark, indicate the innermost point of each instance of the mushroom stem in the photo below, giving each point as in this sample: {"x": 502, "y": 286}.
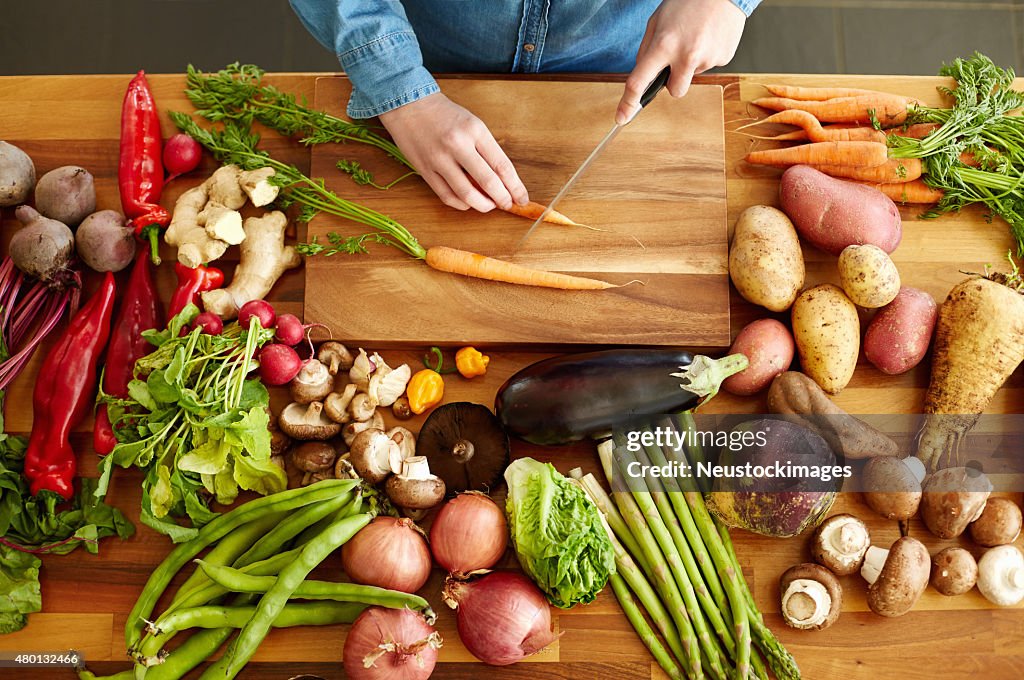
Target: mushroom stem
{"x": 416, "y": 467}
{"x": 463, "y": 451}
{"x": 1015, "y": 578}
{"x": 806, "y": 603}
{"x": 874, "y": 560}
{"x": 916, "y": 467}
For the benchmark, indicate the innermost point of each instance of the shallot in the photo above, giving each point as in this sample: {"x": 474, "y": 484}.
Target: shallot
{"x": 390, "y": 644}
{"x": 502, "y": 617}
{"x": 469, "y": 534}
{"x": 388, "y": 553}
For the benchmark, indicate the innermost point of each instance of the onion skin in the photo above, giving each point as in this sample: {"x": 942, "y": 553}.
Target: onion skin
{"x": 469, "y": 534}
{"x": 502, "y": 617}
{"x": 415, "y": 658}
{"x": 388, "y": 553}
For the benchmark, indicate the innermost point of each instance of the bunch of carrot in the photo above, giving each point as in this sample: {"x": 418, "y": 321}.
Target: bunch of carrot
{"x": 853, "y": 144}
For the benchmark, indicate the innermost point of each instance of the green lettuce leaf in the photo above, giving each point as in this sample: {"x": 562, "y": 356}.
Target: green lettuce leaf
{"x": 19, "y": 588}
{"x": 557, "y": 533}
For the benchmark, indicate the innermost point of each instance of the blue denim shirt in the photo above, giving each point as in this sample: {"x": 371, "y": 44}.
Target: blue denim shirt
{"x": 389, "y": 47}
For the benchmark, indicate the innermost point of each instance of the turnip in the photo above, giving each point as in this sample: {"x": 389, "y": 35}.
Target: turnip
{"x": 105, "y": 242}
{"x": 42, "y": 247}
{"x": 979, "y": 341}
{"x": 210, "y": 323}
{"x": 278, "y": 364}
{"x": 261, "y": 309}
{"x": 17, "y": 175}
{"x": 181, "y": 154}
{"x": 67, "y": 194}
{"x": 290, "y": 330}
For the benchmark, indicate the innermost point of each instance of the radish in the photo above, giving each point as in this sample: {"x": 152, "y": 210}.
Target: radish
{"x": 210, "y": 323}
{"x": 181, "y": 154}
{"x": 261, "y": 309}
{"x": 290, "y": 330}
{"x": 278, "y": 364}
{"x": 979, "y": 341}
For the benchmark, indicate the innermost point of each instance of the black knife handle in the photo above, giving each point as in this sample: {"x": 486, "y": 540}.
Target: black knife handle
{"x": 655, "y": 87}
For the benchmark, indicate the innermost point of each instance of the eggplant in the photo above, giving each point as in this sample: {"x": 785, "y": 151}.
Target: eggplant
{"x": 568, "y": 397}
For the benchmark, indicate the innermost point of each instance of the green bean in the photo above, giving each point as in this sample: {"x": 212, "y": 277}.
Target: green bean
{"x": 214, "y": 531}
{"x": 199, "y": 646}
{"x": 271, "y": 604}
{"x": 292, "y": 614}
{"x": 239, "y": 581}
{"x": 84, "y": 674}
{"x": 316, "y": 529}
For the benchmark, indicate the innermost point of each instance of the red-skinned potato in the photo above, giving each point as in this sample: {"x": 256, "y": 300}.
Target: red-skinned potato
{"x": 898, "y": 337}
{"x": 768, "y": 346}
{"x": 832, "y": 214}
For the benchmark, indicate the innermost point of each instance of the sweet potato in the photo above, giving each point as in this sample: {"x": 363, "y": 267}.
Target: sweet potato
{"x": 768, "y": 346}
{"x": 827, "y": 333}
{"x": 801, "y": 401}
{"x": 832, "y": 214}
{"x": 898, "y": 337}
{"x": 765, "y": 261}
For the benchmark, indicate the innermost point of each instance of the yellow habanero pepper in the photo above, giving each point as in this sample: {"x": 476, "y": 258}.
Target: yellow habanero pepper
{"x": 425, "y": 389}
{"x": 471, "y": 362}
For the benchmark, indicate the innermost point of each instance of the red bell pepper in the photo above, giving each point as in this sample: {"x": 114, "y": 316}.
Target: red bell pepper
{"x": 192, "y": 282}
{"x": 64, "y": 393}
{"x": 140, "y": 173}
{"x": 140, "y": 311}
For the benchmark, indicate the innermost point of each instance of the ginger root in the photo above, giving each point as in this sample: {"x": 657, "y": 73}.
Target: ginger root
{"x": 264, "y": 257}
{"x": 256, "y": 185}
{"x": 206, "y": 218}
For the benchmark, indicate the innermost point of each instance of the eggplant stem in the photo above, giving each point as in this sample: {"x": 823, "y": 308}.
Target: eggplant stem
{"x": 704, "y": 375}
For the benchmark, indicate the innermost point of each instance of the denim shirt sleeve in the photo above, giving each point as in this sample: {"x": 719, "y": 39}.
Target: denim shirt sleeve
{"x": 746, "y": 6}
{"x": 376, "y": 47}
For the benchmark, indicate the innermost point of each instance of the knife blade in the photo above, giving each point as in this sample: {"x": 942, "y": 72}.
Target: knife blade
{"x": 653, "y": 89}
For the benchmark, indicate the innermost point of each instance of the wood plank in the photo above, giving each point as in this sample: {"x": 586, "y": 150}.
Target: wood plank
{"x": 658, "y": 193}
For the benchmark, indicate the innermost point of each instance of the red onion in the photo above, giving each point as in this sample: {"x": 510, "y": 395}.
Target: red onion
{"x": 390, "y": 644}
{"x": 388, "y": 553}
{"x": 502, "y": 617}
{"x": 469, "y": 534}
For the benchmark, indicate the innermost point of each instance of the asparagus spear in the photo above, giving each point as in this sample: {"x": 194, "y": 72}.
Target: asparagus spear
{"x": 633, "y": 613}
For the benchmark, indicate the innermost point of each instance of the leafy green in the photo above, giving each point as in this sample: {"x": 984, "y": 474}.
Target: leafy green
{"x": 195, "y": 423}
{"x": 557, "y": 533}
{"x": 19, "y": 588}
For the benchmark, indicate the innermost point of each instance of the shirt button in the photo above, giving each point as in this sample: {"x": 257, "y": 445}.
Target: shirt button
{"x": 529, "y": 47}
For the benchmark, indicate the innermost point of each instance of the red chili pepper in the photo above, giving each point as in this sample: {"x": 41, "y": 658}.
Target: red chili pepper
{"x": 140, "y": 174}
{"x": 192, "y": 282}
{"x": 64, "y": 392}
{"x": 140, "y": 311}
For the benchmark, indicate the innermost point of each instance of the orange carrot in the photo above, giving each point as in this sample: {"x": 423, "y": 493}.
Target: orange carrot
{"x": 816, "y": 133}
{"x": 889, "y": 109}
{"x": 915, "y": 131}
{"x": 894, "y": 171}
{"x": 478, "y": 266}
{"x": 817, "y": 93}
{"x": 794, "y": 136}
{"x": 854, "y": 154}
{"x": 533, "y": 210}
{"x": 915, "y": 191}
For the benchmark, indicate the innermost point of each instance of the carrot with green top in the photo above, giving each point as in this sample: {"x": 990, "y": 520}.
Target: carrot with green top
{"x": 894, "y": 171}
{"x": 478, "y": 266}
{"x": 887, "y": 109}
{"x": 818, "y": 93}
{"x": 814, "y": 131}
{"x": 851, "y": 154}
{"x": 915, "y": 191}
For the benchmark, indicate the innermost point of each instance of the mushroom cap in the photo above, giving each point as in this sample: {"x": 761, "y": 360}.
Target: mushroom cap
{"x": 306, "y": 422}
{"x": 465, "y": 446}
{"x": 311, "y": 383}
{"x": 890, "y": 488}
{"x": 315, "y": 456}
{"x": 415, "y": 494}
{"x": 999, "y": 524}
{"x": 954, "y": 571}
{"x": 819, "y": 574}
{"x": 370, "y": 454}
{"x": 1001, "y": 575}
{"x": 902, "y": 580}
{"x": 952, "y": 499}
{"x": 840, "y": 543}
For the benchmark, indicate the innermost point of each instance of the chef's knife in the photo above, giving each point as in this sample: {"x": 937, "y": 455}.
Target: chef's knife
{"x": 654, "y": 88}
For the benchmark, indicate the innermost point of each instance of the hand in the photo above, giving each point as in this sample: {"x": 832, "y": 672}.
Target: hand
{"x": 455, "y": 153}
{"x": 691, "y": 36}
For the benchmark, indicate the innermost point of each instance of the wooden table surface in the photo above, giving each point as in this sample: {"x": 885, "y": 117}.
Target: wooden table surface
{"x": 74, "y": 120}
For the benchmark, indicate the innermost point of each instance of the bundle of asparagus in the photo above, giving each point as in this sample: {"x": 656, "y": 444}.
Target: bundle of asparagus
{"x": 677, "y": 564}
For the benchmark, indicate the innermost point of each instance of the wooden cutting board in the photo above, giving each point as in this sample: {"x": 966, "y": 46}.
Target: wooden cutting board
{"x": 658, "y": 191}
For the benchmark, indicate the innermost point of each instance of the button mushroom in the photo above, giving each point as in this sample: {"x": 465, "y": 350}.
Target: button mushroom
{"x": 954, "y": 571}
{"x": 811, "y": 597}
{"x": 336, "y": 404}
{"x": 897, "y": 576}
{"x": 314, "y": 456}
{"x": 1001, "y": 575}
{"x": 307, "y": 422}
{"x": 371, "y": 454}
{"x": 465, "y": 445}
{"x": 335, "y": 356}
{"x": 952, "y": 499}
{"x": 353, "y": 429}
{"x": 361, "y": 408}
{"x": 892, "y": 486}
{"x": 998, "y": 524}
{"x": 415, "y": 487}
{"x": 311, "y": 383}
{"x": 840, "y": 543}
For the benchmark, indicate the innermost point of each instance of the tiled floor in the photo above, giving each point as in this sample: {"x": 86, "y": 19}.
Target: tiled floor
{"x": 818, "y": 36}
